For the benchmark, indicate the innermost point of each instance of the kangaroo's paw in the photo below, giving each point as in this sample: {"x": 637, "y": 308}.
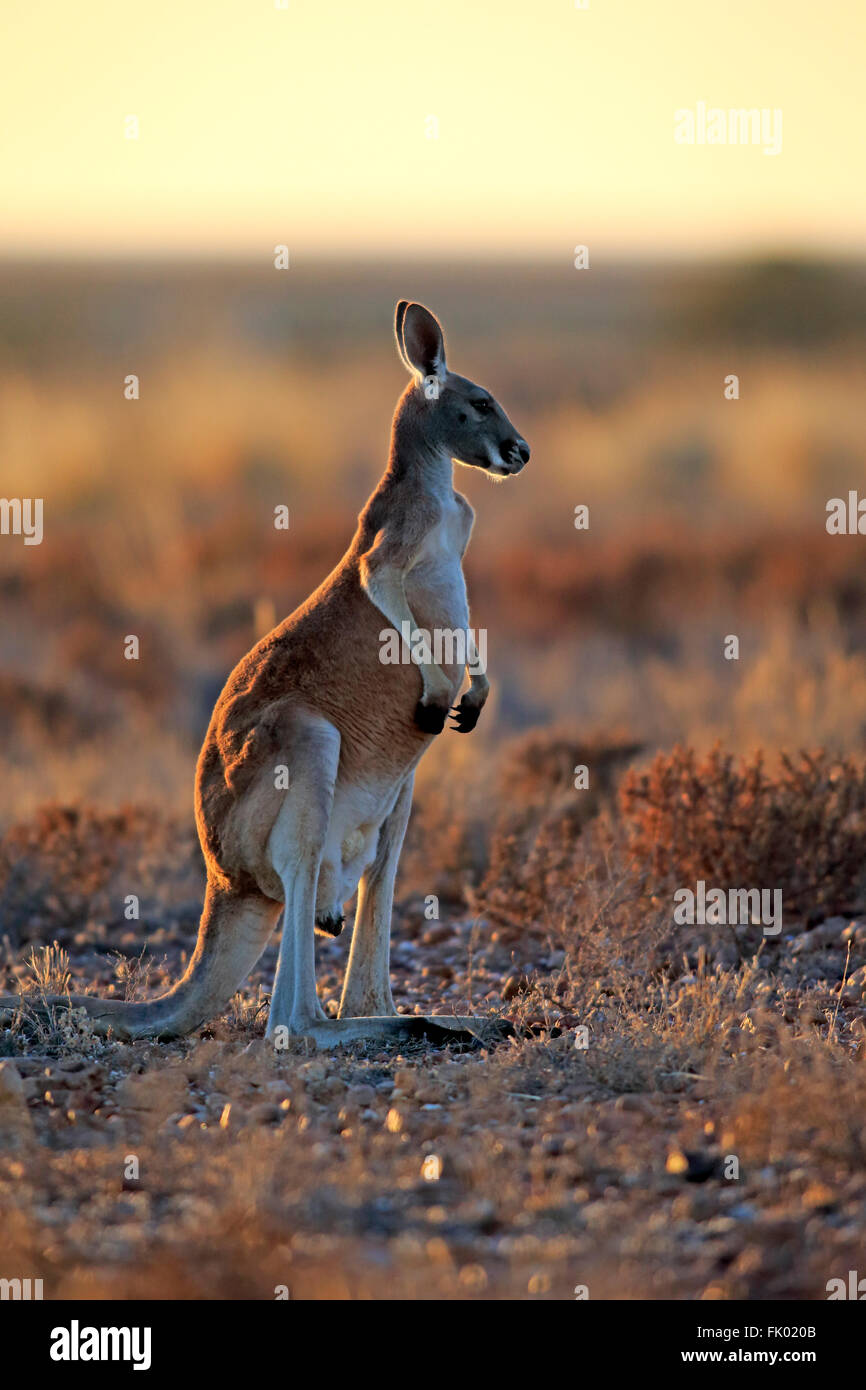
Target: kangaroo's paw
{"x": 465, "y": 716}
{"x": 430, "y": 719}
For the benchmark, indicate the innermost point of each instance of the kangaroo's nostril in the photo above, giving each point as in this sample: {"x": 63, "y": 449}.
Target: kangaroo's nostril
{"x": 511, "y": 450}
{"x": 514, "y": 454}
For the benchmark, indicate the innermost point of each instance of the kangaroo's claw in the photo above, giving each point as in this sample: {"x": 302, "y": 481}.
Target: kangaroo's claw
{"x": 465, "y": 717}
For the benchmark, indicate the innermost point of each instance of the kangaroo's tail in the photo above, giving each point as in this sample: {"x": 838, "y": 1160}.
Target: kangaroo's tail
{"x": 232, "y": 934}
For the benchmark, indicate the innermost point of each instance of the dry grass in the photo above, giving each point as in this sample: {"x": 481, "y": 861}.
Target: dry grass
{"x": 590, "y": 1150}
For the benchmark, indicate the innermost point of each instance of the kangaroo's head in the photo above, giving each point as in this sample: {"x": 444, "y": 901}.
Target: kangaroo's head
{"x": 459, "y": 418}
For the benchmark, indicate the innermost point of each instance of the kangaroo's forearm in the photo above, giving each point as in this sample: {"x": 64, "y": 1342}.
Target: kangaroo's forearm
{"x": 383, "y": 585}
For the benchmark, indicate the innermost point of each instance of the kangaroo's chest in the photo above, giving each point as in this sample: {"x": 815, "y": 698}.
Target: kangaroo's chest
{"x": 435, "y": 587}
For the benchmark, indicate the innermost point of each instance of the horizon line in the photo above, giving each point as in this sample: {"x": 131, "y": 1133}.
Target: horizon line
{"x": 247, "y": 259}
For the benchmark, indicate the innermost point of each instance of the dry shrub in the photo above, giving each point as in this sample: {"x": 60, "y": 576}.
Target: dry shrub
{"x": 631, "y": 582}
{"x": 89, "y": 646}
{"x": 534, "y": 866}
{"x": 799, "y": 828}
{"x": 36, "y": 714}
{"x": 802, "y": 1101}
{"x": 69, "y": 864}
{"x": 446, "y": 847}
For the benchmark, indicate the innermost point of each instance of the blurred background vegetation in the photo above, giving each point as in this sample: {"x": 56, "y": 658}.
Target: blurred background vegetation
{"x": 261, "y": 388}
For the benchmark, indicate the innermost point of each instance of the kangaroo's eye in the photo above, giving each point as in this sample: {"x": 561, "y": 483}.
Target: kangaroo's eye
{"x": 483, "y": 407}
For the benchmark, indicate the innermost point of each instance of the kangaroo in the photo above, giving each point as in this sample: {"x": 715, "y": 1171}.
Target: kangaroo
{"x": 314, "y": 699}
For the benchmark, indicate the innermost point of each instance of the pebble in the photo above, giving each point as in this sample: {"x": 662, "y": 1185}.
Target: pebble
{"x": 15, "y": 1123}
{"x": 12, "y": 1092}
{"x": 362, "y": 1095}
{"x": 266, "y": 1113}
{"x": 856, "y": 984}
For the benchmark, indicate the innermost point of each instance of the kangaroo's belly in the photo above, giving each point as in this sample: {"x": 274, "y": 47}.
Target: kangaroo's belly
{"x": 357, "y": 816}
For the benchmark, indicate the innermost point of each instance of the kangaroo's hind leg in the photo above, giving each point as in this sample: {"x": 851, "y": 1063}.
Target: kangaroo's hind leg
{"x": 295, "y": 849}
{"x": 367, "y": 988}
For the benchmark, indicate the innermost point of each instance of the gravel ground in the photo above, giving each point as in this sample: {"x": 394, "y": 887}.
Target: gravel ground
{"x": 706, "y": 1142}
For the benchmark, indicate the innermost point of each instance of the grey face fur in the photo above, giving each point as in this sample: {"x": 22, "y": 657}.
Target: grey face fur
{"x": 463, "y": 419}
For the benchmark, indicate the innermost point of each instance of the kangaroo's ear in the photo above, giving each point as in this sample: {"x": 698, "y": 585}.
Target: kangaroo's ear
{"x": 398, "y": 333}
{"x": 423, "y": 343}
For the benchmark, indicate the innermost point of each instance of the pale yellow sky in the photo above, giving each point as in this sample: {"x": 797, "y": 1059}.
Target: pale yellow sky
{"x": 309, "y": 126}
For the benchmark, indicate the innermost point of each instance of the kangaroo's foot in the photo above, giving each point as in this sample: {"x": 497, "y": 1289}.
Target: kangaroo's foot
{"x": 372, "y": 1003}
{"x": 296, "y": 1026}
{"x": 438, "y": 1029}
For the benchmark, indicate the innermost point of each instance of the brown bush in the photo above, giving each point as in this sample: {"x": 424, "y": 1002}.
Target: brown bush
{"x": 533, "y": 863}
{"x": 800, "y": 828}
{"x": 40, "y": 714}
{"x": 632, "y": 582}
{"x": 69, "y": 864}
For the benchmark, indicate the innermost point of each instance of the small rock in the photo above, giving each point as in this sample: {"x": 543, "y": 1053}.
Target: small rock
{"x": 266, "y": 1114}
{"x": 312, "y": 1072}
{"x": 11, "y": 1086}
{"x": 819, "y": 1197}
{"x": 691, "y": 1165}
{"x": 641, "y": 1104}
{"x": 855, "y": 984}
{"x": 278, "y": 1091}
{"x": 16, "y": 1126}
{"x": 362, "y": 1094}
{"x": 743, "y": 1211}
{"x": 434, "y": 936}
